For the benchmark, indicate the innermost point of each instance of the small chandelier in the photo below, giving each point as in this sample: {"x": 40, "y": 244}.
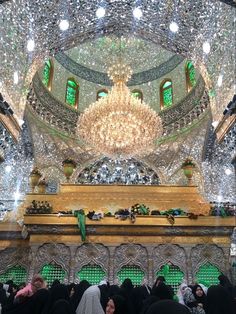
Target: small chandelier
{"x": 120, "y": 125}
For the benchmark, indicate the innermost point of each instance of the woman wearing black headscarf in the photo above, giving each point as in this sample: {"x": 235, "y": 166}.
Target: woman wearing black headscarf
{"x": 218, "y": 301}
{"x": 116, "y": 305}
{"x": 126, "y": 290}
{"x": 200, "y": 296}
{"x": 160, "y": 292}
{"x": 36, "y": 304}
{"x": 191, "y": 302}
{"x": 168, "y": 307}
{"x": 79, "y": 291}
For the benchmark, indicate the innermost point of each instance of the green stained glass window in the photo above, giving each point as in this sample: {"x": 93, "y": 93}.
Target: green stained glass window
{"x": 133, "y": 272}
{"x": 50, "y": 272}
{"x": 72, "y": 92}
{"x": 191, "y": 75}
{"x": 47, "y": 72}
{"x": 138, "y": 94}
{"x": 173, "y": 275}
{"x": 208, "y": 275}
{"x": 166, "y": 94}
{"x": 16, "y": 273}
{"x": 92, "y": 273}
{"x": 102, "y": 93}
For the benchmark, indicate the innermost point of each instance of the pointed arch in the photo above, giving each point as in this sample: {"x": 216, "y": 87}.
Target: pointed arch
{"x": 101, "y": 93}
{"x": 48, "y": 72}
{"x": 172, "y": 274}
{"x": 137, "y": 93}
{"x": 208, "y": 274}
{"x": 92, "y": 273}
{"x": 17, "y": 273}
{"x": 53, "y": 271}
{"x": 190, "y": 74}
{"x": 72, "y": 93}
{"x": 166, "y": 93}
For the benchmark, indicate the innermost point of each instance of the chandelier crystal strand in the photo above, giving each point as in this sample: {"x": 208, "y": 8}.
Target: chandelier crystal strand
{"x": 120, "y": 125}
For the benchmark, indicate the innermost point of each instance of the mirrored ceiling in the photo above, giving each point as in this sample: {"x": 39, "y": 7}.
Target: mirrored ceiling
{"x": 102, "y": 52}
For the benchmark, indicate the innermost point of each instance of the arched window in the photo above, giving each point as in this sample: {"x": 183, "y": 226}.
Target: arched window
{"x": 208, "y": 275}
{"x": 133, "y": 272}
{"x": 92, "y": 273}
{"x": 166, "y": 94}
{"x": 16, "y": 273}
{"x": 137, "y": 93}
{"x": 173, "y": 275}
{"x": 102, "y": 93}
{"x": 48, "y": 74}
{"x": 72, "y": 93}
{"x": 190, "y": 75}
{"x": 52, "y": 271}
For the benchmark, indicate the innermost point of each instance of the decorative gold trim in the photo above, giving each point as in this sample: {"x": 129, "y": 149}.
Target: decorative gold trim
{"x": 51, "y": 74}
{"x": 223, "y": 126}
{"x": 207, "y": 221}
{"x": 11, "y": 124}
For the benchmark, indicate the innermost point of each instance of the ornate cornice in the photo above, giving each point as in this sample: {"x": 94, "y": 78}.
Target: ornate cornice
{"x": 147, "y": 226}
{"x": 103, "y": 79}
{"x": 62, "y": 117}
{"x": 50, "y": 109}
{"x": 193, "y": 98}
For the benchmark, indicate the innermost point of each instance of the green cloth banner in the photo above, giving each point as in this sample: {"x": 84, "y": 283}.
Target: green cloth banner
{"x": 81, "y": 222}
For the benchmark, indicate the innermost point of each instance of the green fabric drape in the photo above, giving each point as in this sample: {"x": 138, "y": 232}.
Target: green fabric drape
{"x": 81, "y": 223}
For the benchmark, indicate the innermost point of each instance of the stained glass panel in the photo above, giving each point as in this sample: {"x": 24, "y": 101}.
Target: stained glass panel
{"x": 92, "y": 273}
{"x": 16, "y": 273}
{"x": 173, "y": 275}
{"x": 167, "y": 84}
{"x": 133, "y": 272}
{"x": 46, "y": 73}
{"x": 208, "y": 275}
{"x": 167, "y": 97}
{"x": 166, "y": 93}
{"x": 50, "y": 272}
{"x": 102, "y": 93}
{"x": 71, "y": 93}
{"x": 138, "y": 94}
{"x": 191, "y": 74}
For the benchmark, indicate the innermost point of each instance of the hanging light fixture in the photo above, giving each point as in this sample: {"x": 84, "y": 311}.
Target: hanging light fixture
{"x": 120, "y": 125}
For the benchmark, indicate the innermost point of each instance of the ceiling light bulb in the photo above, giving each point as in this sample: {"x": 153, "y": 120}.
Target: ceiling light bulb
{"x": 137, "y": 13}
{"x": 8, "y": 168}
{"x": 206, "y": 47}
{"x": 64, "y": 25}
{"x": 174, "y": 27}
{"x": 15, "y": 77}
{"x": 228, "y": 171}
{"x": 220, "y": 80}
{"x": 30, "y": 45}
{"x": 100, "y": 12}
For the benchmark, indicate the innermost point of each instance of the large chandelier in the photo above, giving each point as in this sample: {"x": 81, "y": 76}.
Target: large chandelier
{"x": 120, "y": 125}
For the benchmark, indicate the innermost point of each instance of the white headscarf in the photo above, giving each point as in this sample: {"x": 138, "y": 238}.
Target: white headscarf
{"x": 90, "y": 302}
{"x": 180, "y": 292}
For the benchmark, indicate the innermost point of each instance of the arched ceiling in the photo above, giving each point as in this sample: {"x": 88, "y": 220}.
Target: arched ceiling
{"x": 198, "y": 21}
{"x": 102, "y": 52}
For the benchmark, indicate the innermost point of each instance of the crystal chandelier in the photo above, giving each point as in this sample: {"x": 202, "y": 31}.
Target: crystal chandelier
{"x": 120, "y": 125}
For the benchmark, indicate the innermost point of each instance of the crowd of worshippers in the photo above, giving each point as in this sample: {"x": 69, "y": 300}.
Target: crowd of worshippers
{"x": 83, "y": 298}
